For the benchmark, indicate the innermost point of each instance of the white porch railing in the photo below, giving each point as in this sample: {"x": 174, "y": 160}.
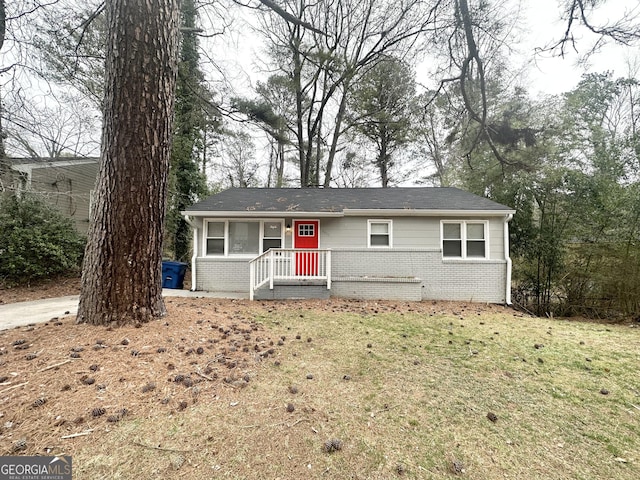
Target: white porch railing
{"x": 289, "y": 264}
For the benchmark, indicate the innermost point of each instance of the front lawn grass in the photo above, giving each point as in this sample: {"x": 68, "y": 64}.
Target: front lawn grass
{"x": 409, "y": 395}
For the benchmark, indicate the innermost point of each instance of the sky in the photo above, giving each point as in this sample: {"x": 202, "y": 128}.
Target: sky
{"x": 555, "y": 75}
{"x": 546, "y": 73}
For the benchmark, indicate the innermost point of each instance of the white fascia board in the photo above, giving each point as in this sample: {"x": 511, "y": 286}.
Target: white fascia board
{"x": 406, "y": 212}
{"x": 27, "y": 167}
{"x": 260, "y": 214}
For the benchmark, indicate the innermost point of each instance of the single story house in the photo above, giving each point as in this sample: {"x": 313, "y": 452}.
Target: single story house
{"x": 368, "y": 243}
{"x": 65, "y": 183}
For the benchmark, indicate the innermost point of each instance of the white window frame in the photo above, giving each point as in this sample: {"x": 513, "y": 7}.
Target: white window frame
{"x": 463, "y": 234}
{"x": 389, "y": 224}
{"x": 226, "y": 222}
{"x": 262, "y": 236}
{"x": 206, "y": 237}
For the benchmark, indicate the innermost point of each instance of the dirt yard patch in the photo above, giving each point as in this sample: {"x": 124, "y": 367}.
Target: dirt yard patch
{"x": 58, "y": 287}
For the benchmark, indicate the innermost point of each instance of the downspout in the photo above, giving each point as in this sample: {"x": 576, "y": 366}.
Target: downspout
{"x": 507, "y": 258}
{"x": 195, "y": 250}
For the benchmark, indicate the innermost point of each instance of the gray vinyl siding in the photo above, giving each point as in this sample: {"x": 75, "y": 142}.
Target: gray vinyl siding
{"x": 408, "y": 232}
{"x": 197, "y": 236}
{"x": 341, "y": 232}
{"x": 67, "y": 189}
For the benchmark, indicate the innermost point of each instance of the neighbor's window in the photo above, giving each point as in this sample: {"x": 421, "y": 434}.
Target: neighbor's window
{"x": 464, "y": 239}
{"x": 215, "y": 238}
{"x": 379, "y": 233}
{"x": 272, "y": 235}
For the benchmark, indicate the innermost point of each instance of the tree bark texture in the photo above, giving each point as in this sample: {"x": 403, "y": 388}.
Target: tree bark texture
{"x": 121, "y": 278}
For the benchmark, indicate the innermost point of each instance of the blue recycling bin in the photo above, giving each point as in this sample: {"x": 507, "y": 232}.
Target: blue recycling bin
{"x": 173, "y": 274}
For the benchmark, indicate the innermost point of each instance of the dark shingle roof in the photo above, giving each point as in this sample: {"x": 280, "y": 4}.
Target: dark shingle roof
{"x": 337, "y": 200}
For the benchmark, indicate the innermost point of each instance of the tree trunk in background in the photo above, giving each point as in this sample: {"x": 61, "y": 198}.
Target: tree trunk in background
{"x": 121, "y": 278}
{"x": 2, "y": 35}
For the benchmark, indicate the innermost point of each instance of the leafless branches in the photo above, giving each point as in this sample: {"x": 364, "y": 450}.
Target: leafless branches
{"x": 577, "y": 13}
{"x": 356, "y": 35}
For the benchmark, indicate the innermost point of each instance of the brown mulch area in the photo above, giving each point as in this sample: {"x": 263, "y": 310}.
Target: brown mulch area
{"x": 56, "y": 287}
{"x": 59, "y": 379}
{"x": 51, "y": 288}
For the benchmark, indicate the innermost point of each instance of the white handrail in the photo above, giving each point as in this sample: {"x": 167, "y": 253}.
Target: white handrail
{"x": 289, "y": 264}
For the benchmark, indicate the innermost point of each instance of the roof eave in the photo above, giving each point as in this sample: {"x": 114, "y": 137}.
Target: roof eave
{"x": 411, "y": 212}
{"x": 259, "y": 214}
{"x": 26, "y": 167}
{"x": 350, "y": 212}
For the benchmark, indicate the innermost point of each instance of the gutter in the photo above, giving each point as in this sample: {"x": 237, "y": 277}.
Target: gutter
{"x": 260, "y": 214}
{"x": 507, "y": 257}
{"x": 187, "y": 219}
{"x": 410, "y": 212}
{"x": 348, "y": 212}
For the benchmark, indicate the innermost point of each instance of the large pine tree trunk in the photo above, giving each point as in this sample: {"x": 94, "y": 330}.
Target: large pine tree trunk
{"x": 121, "y": 278}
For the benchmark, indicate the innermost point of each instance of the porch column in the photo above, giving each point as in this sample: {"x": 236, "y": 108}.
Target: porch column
{"x": 329, "y": 269}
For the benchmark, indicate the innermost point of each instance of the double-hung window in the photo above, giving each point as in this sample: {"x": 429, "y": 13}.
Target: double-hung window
{"x": 272, "y": 236}
{"x": 242, "y": 237}
{"x": 464, "y": 239}
{"x": 379, "y": 233}
{"x": 215, "y": 238}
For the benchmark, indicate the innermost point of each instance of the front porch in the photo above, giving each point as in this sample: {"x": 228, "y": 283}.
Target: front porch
{"x": 280, "y": 274}
{"x": 290, "y": 273}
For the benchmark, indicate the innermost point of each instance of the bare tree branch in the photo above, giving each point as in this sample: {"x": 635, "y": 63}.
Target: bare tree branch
{"x": 289, "y": 17}
{"x": 625, "y": 31}
{"x": 85, "y": 25}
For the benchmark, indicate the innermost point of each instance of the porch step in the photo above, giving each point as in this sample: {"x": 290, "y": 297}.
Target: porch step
{"x": 293, "y": 289}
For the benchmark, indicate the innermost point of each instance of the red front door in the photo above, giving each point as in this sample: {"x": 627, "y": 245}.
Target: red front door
{"x": 305, "y": 235}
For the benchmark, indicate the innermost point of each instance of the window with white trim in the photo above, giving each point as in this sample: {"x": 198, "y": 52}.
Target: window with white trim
{"x": 272, "y": 236}
{"x": 379, "y": 233}
{"x": 464, "y": 239}
{"x": 215, "y": 238}
{"x": 242, "y": 237}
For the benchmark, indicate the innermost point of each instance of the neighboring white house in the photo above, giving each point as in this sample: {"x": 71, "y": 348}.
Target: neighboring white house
{"x": 65, "y": 183}
{"x": 368, "y": 243}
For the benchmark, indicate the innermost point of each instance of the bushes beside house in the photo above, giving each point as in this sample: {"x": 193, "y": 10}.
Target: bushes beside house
{"x": 36, "y": 241}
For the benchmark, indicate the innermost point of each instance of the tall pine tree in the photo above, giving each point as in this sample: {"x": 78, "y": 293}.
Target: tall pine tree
{"x": 121, "y": 277}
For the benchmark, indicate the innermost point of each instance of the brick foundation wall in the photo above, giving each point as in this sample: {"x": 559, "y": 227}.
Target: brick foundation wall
{"x": 222, "y": 274}
{"x": 408, "y": 289}
{"x": 469, "y": 280}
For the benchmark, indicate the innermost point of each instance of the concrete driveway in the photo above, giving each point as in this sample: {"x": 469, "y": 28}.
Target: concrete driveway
{"x": 38, "y": 311}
